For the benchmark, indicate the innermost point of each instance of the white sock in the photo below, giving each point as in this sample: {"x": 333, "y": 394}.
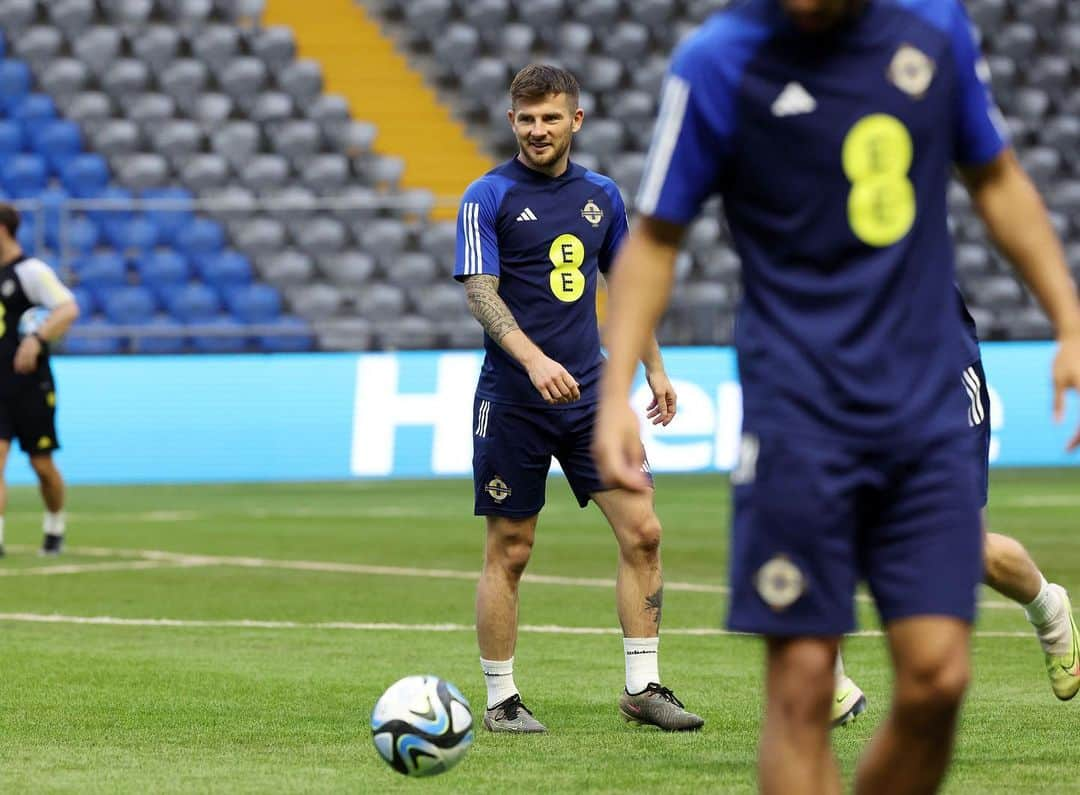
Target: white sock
{"x": 54, "y": 523}
{"x": 642, "y": 663}
{"x": 499, "y": 678}
{"x": 1046, "y": 613}
{"x": 839, "y": 672}
{"x": 1, "y": 529}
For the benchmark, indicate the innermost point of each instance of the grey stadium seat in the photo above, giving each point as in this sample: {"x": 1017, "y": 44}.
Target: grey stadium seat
{"x": 322, "y": 236}
{"x": 259, "y": 236}
{"x": 315, "y": 301}
{"x": 344, "y": 334}
{"x": 721, "y": 264}
{"x": 463, "y": 333}
{"x": 1028, "y": 323}
{"x": 602, "y": 73}
{"x": 600, "y": 137}
{"x": 988, "y": 14}
{"x": 178, "y": 140}
{"x": 157, "y": 47}
{"x": 541, "y": 14}
{"x": 653, "y": 13}
{"x": 515, "y": 44}
{"x": 1051, "y": 73}
{"x": 381, "y": 302}
{"x": 142, "y": 171}
{"x": 290, "y": 203}
{"x": 18, "y": 15}
{"x": 211, "y": 110}
{"x": 1043, "y": 15}
{"x": 487, "y": 15}
{"x": 457, "y": 46}
{"x": 216, "y": 46}
{"x": 349, "y": 268}
{"x": 275, "y": 46}
{"x": 439, "y": 239}
{"x": 411, "y": 332}
{"x": 409, "y": 269}
{"x": 573, "y": 43}
{"x": 116, "y": 138}
{"x": 189, "y": 15}
{"x": 329, "y": 111}
{"x": 649, "y": 75}
{"x": 384, "y": 172}
{"x": 972, "y": 260}
{"x": 485, "y": 80}
{"x": 996, "y": 292}
{"x": 629, "y": 42}
{"x": 297, "y": 138}
{"x": 205, "y": 171}
{"x": 384, "y": 238}
{"x": 1063, "y": 133}
{"x": 1042, "y": 163}
{"x": 441, "y": 301}
{"x": 355, "y": 204}
{"x": 353, "y": 138}
{"x": 125, "y": 78}
{"x": 428, "y": 16}
{"x": 271, "y": 107}
{"x": 38, "y": 45}
{"x": 73, "y": 17}
{"x": 325, "y": 173}
{"x": 597, "y": 14}
{"x": 302, "y": 80}
{"x": 626, "y": 169}
{"x": 184, "y": 80}
{"x": 236, "y": 141}
{"x": 128, "y": 14}
{"x": 1031, "y": 105}
{"x": 703, "y": 236}
{"x": 64, "y": 77}
{"x": 264, "y": 172}
{"x": 285, "y": 267}
{"x": 231, "y": 203}
{"x": 243, "y": 78}
{"x": 98, "y": 47}
{"x": 89, "y": 108}
{"x": 1017, "y": 40}
{"x": 150, "y": 108}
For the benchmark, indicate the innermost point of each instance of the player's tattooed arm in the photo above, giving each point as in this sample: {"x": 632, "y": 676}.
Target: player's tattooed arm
{"x": 482, "y": 295}
{"x": 654, "y": 603}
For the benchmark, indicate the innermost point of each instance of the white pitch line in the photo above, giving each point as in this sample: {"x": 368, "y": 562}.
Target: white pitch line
{"x": 1049, "y": 501}
{"x": 534, "y": 629}
{"x": 90, "y": 568}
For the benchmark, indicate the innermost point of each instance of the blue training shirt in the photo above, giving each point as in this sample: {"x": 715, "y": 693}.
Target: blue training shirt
{"x": 833, "y": 154}
{"x": 545, "y": 239}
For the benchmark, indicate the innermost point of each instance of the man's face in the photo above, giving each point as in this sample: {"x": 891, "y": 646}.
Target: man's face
{"x": 818, "y": 16}
{"x": 544, "y": 128}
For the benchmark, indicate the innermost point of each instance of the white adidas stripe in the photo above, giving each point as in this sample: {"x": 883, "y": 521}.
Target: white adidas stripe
{"x": 672, "y": 113}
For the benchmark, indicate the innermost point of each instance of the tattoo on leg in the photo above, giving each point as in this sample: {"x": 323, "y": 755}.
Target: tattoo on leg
{"x": 655, "y": 602}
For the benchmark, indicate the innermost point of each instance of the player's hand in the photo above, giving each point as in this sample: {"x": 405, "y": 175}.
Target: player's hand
{"x": 555, "y": 385}
{"x": 662, "y": 409}
{"x": 616, "y": 447}
{"x": 26, "y": 356}
{"x": 1066, "y": 375}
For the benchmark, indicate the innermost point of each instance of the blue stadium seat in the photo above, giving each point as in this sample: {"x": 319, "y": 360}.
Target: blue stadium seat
{"x": 105, "y": 217}
{"x": 228, "y": 268}
{"x": 193, "y": 303}
{"x": 164, "y": 344}
{"x": 23, "y": 176}
{"x": 33, "y": 112}
{"x": 11, "y": 140}
{"x": 15, "y": 82}
{"x": 131, "y": 304}
{"x": 85, "y": 176}
{"x": 102, "y": 269}
{"x": 52, "y": 200}
{"x": 272, "y": 343}
{"x": 137, "y": 233}
{"x": 85, "y": 300}
{"x": 232, "y": 343}
{"x": 27, "y": 234}
{"x": 201, "y": 237}
{"x": 169, "y": 221}
{"x": 82, "y": 235}
{"x": 96, "y": 345}
{"x": 254, "y": 303}
{"x": 162, "y": 268}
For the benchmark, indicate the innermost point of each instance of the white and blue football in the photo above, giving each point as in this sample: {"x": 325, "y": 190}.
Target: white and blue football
{"x": 422, "y": 726}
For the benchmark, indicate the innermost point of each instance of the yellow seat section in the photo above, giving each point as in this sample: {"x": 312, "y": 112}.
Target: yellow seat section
{"x": 360, "y": 63}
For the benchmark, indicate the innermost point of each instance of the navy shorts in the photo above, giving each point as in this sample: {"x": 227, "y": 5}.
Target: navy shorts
{"x": 512, "y": 451}
{"x": 812, "y": 518}
{"x": 979, "y": 420}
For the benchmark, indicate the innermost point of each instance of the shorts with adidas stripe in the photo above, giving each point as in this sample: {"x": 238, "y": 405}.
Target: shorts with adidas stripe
{"x": 512, "y": 450}
{"x": 978, "y": 392}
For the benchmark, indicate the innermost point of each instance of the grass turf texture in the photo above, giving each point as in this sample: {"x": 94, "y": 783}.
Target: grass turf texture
{"x": 232, "y": 709}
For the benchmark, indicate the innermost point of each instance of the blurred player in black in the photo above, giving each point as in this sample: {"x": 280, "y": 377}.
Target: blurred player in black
{"x": 27, "y": 390}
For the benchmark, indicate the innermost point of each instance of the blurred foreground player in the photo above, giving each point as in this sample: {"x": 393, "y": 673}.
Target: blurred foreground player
{"x": 27, "y": 389}
{"x": 830, "y": 128}
{"x": 534, "y": 235}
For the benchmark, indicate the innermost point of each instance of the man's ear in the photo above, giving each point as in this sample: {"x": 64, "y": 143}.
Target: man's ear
{"x": 579, "y": 117}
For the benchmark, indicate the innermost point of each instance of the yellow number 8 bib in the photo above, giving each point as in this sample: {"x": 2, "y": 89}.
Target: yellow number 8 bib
{"x": 877, "y": 155}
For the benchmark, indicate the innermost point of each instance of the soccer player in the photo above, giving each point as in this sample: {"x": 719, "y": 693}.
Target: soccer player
{"x": 830, "y": 128}
{"x": 534, "y": 236}
{"x": 27, "y": 389}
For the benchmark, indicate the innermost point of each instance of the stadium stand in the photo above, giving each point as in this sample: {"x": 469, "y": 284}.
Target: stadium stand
{"x": 321, "y": 228}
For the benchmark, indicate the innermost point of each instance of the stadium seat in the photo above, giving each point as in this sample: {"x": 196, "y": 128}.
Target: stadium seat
{"x": 98, "y": 47}
{"x": 131, "y": 15}
{"x": 169, "y": 338}
{"x": 322, "y": 236}
{"x": 38, "y": 45}
{"x": 171, "y": 220}
{"x": 15, "y": 83}
{"x": 211, "y": 110}
{"x": 130, "y": 304}
{"x": 264, "y": 172}
{"x": 271, "y": 107}
{"x": 350, "y": 268}
{"x": 294, "y": 335}
{"x": 192, "y": 303}
{"x": 33, "y": 112}
{"x": 11, "y": 138}
{"x": 243, "y": 77}
{"x": 150, "y": 109}
{"x": 409, "y": 268}
{"x": 80, "y": 235}
{"x": 225, "y": 269}
{"x": 157, "y": 47}
{"x": 64, "y": 77}
{"x": 116, "y": 138}
{"x": 597, "y": 14}
{"x": 275, "y": 46}
{"x": 315, "y": 301}
{"x": 125, "y": 78}
{"x": 411, "y": 332}
{"x": 290, "y": 204}
{"x": 260, "y": 236}
{"x": 285, "y": 267}
{"x": 132, "y": 235}
{"x": 326, "y": 173}
{"x": 345, "y": 333}
{"x": 236, "y": 141}
{"x": 229, "y": 339}
{"x": 216, "y": 46}
{"x": 379, "y": 302}
{"x": 18, "y": 15}
{"x": 142, "y": 171}
{"x": 101, "y": 269}
{"x": 85, "y": 300}
{"x": 204, "y": 171}
{"x": 253, "y": 303}
{"x": 85, "y": 175}
{"x": 88, "y": 338}
{"x": 440, "y": 301}
{"x": 23, "y": 176}
{"x": 295, "y": 139}
{"x": 162, "y": 268}
{"x": 184, "y": 80}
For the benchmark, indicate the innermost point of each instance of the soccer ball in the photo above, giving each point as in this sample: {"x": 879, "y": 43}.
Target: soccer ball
{"x": 422, "y": 726}
{"x": 31, "y": 320}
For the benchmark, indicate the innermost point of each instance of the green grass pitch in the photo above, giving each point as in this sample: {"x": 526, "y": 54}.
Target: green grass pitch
{"x": 265, "y": 678}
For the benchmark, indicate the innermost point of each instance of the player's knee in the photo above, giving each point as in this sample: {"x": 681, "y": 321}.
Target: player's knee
{"x": 934, "y": 688}
{"x": 642, "y": 538}
{"x": 1001, "y": 555}
{"x": 43, "y": 466}
{"x": 510, "y": 551}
